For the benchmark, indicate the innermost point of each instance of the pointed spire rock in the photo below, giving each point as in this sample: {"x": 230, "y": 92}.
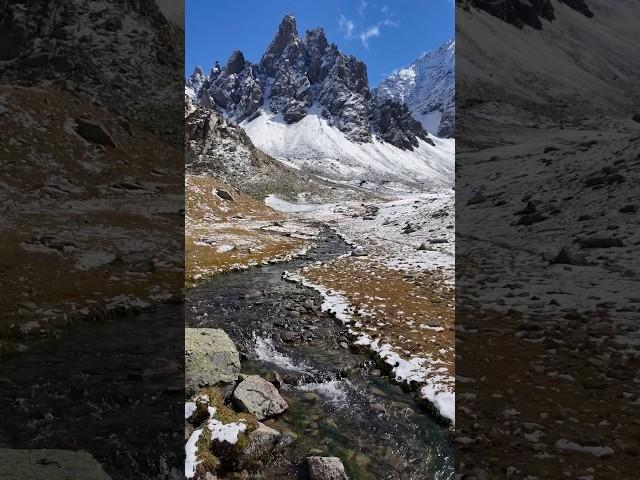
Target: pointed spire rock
{"x": 286, "y": 37}
{"x": 198, "y": 75}
{"x": 287, "y": 28}
{"x": 196, "y": 79}
{"x": 235, "y": 64}
{"x": 287, "y": 33}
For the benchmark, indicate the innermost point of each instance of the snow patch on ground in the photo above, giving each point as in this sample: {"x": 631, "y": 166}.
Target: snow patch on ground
{"x": 224, "y": 432}
{"x": 400, "y": 233}
{"x": 564, "y": 444}
{"x": 190, "y": 450}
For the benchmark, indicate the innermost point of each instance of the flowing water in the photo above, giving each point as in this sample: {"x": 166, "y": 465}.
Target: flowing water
{"x": 340, "y": 404}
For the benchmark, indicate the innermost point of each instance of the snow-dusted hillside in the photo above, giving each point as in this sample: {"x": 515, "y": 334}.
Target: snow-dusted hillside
{"x": 314, "y": 144}
{"x": 427, "y": 86}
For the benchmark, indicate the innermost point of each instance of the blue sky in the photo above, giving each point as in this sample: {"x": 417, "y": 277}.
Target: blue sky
{"x": 385, "y": 34}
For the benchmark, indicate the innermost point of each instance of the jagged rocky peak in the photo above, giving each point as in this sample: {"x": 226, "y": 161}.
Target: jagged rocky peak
{"x": 525, "y": 12}
{"x": 298, "y": 76}
{"x": 284, "y": 46}
{"x": 235, "y": 64}
{"x": 394, "y": 124}
{"x": 197, "y": 78}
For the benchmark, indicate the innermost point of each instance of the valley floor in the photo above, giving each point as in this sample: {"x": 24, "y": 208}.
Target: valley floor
{"x": 394, "y": 291}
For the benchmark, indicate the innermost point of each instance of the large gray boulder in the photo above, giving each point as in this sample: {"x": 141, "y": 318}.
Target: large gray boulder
{"x": 259, "y": 397}
{"x": 211, "y": 359}
{"x": 49, "y": 464}
{"x": 262, "y": 441}
{"x": 326, "y": 468}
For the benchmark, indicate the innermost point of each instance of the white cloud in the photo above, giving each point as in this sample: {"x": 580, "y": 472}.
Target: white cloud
{"x": 346, "y": 26}
{"x": 362, "y": 7}
{"x": 373, "y": 31}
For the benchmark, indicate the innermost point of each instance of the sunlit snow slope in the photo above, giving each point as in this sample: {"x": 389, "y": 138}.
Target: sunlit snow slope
{"x": 313, "y": 144}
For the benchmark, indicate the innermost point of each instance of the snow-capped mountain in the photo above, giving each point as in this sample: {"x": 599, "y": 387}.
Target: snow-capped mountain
{"x": 307, "y": 103}
{"x": 427, "y": 87}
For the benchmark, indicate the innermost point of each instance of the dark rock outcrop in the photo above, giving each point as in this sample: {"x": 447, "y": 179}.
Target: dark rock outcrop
{"x": 394, "y": 124}
{"x": 67, "y": 46}
{"x": 526, "y": 12}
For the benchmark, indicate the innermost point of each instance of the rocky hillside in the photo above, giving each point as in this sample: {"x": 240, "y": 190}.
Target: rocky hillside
{"x": 218, "y": 148}
{"x": 427, "y": 87}
{"x": 298, "y": 76}
{"x": 579, "y": 69}
{"x": 42, "y": 45}
{"x": 547, "y": 164}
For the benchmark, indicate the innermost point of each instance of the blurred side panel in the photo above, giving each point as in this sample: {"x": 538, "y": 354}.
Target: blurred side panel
{"x": 547, "y": 175}
{"x": 91, "y": 269}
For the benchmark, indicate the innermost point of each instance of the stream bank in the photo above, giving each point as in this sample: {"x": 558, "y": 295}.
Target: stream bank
{"x": 340, "y": 403}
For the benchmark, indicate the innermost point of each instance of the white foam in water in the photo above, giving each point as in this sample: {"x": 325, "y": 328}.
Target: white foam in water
{"x": 266, "y": 352}
{"x": 333, "y": 391}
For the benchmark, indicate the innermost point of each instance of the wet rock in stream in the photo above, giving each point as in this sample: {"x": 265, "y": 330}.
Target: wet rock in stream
{"x": 259, "y": 397}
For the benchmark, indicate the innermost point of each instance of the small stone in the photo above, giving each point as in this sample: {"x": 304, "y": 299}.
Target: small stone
{"x": 273, "y": 377}
{"x": 224, "y": 194}
{"x": 310, "y": 397}
{"x": 600, "y": 242}
{"x": 326, "y": 468}
{"x": 94, "y": 132}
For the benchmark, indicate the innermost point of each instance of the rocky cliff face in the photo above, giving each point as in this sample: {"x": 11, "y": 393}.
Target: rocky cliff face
{"x": 298, "y": 76}
{"x": 525, "y": 12}
{"x": 427, "y": 87}
{"x": 217, "y": 147}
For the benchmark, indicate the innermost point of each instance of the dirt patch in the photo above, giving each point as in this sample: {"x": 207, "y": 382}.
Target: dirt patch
{"x": 552, "y": 411}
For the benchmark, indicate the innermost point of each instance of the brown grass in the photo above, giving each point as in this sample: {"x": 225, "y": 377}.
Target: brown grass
{"x": 213, "y": 223}
{"x": 591, "y": 410}
{"x": 395, "y": 306}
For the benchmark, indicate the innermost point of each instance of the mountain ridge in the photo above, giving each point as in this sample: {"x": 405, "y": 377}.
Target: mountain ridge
{"x": 297, "y": 76}
{"x": 427, "y": 87}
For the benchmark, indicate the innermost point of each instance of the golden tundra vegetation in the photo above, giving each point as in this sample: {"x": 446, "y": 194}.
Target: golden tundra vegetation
{"x": 224, "y": 230}
{"x": 412, "y": 311}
